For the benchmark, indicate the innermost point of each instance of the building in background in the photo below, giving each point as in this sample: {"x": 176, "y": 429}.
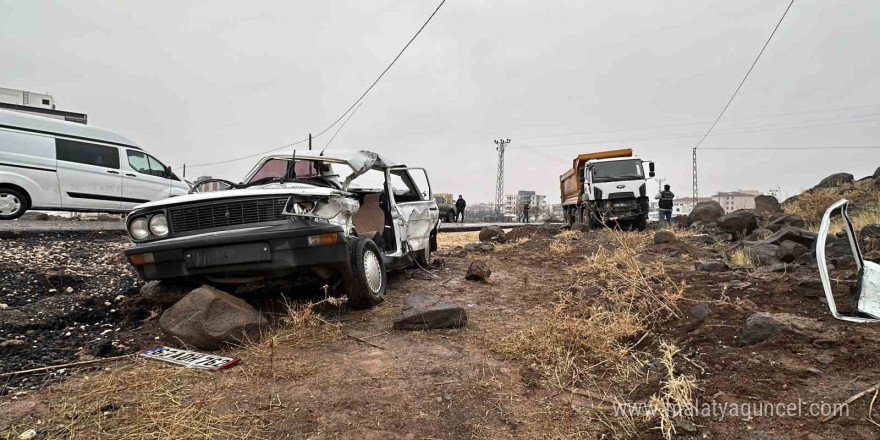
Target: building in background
{"x": 739, "y": 199}
{"x": 209, "y": 187}
{"x": 38, "y": 104}
{"x": 512, "y": 208}
{"x": 685, "y": 205}
{"x": 479, "y": 212}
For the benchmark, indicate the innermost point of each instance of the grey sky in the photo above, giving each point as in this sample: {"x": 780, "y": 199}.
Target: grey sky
{"x": 201, "y": 81}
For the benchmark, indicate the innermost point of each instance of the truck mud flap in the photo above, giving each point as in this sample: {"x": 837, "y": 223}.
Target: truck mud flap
{"x": 866, "y": 298}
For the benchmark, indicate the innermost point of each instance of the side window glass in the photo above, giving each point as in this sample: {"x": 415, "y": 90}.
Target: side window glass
{"x": 138, "y": 161}
{"x": 87, "y": 153}
{"x": 420, "y": 181}
{"x": 156, "y": 167}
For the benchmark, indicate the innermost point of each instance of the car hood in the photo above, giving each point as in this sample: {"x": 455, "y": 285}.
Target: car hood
{"x": 274, "y": 189}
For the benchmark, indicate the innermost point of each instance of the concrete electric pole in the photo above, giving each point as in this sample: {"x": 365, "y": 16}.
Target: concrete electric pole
{"x": 499, "y": 183}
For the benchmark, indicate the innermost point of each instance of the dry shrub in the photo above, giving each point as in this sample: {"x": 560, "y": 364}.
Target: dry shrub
{"x": 675, "y": 398}
{"x": 740, "y": 257}
{"x": 559, "y": 248}
{"x": 510, "y": 245}
{"x": 864, "y": 197}
{"x": 811, "y": 205}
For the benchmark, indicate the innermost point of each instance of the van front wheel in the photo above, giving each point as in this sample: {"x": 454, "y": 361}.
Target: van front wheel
{"x": 13, "y": 204}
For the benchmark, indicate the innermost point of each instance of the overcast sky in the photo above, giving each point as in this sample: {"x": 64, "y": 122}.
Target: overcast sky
{"x": 202, "y": 81}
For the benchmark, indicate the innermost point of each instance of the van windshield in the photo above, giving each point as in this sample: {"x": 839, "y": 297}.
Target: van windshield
{"x": 618, "y": 170}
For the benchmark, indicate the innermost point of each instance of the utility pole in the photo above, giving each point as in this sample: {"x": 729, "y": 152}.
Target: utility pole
{"x": 499, "y": 183}
{"x": 660, "y": 184}
{"x": 694, "y": 202}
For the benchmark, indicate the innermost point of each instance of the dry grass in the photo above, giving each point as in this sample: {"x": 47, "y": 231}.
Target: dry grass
{"x": 676, "y": 396}
{"x": 559, "y": 248}
{"x": 864, "y": 208}
{"x": 740, "y": 257}
{"x": 150, "y": 400}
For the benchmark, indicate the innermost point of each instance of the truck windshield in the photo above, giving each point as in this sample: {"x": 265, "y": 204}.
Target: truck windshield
{"x": 618, "y": 170}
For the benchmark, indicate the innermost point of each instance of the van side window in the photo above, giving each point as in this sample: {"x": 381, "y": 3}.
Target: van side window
{"x": 156, "y": 167}
{"x": 87, "y": 153}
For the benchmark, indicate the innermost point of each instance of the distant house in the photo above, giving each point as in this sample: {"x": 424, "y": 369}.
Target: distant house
{"x": 684, "y": 205}
{"x": 740, "y": 199}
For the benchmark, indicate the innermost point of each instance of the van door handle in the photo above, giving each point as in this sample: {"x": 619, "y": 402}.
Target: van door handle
{"x": 113, "y": 171}
{"x": 131, "y": 175}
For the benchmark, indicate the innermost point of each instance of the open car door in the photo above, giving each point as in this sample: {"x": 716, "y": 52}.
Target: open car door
{"x": 417, "y": 211}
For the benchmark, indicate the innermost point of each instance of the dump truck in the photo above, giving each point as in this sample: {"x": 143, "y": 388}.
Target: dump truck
{"x": 607, "y": 188}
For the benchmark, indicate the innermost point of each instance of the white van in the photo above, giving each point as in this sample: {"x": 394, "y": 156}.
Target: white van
{"x": 48, "y": 164}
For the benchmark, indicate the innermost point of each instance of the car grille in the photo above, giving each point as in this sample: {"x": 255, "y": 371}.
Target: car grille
{"x": 227, "y": 213}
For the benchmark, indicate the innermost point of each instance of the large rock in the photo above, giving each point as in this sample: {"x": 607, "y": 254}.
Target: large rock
{"x": 797, "y": 235}
{"x": 835, "y": 247}
{"x": 422, "y": 311}
{"x": 786, "y": 220}
{"x": 705, "y": 212}
{"x": 740, "y": 222}
{"x": 208, "y": 319}
{"x": 478, "y": 271}
{"x": 767, "y": 205}
{"x": 664, "y": 236}
{"x": 759, "y": 234}
{"x": 764, "y": 254}
{"x": 789, "y": 251}
{"x": 876, "y": 173}
{"x": 493, "y": 233}
{"x": 762, "y": 326}
{"x": 834, "y": 180}
{"x": 164, "y": 293}
{"x": 870, "y": 236}
{"x": 711, "y": 266}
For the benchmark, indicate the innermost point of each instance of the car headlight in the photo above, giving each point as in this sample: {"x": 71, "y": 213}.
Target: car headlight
{"x": 139, "y": 229}
{"x": 304, "y": 207}
{"x": 159, "y": 225}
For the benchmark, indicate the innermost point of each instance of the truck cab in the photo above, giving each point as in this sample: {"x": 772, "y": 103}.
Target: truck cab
{"x": 608, "y": 187}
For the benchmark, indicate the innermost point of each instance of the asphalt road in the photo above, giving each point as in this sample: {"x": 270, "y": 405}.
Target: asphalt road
{"x": 90, "y": 225}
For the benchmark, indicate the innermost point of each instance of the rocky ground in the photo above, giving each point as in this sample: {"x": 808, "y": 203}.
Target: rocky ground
{"x": 563, "y": 325}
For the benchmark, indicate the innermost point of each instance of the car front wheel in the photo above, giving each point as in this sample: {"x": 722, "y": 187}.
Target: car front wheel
{"x": 369, "y": 280}
{"x": 13, "y": 204}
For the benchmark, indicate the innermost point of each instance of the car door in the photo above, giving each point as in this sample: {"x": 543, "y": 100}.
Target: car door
{"x": 89, "y": 175}
{"x": 416, "y": 209}
{"x": 144, "y": 179}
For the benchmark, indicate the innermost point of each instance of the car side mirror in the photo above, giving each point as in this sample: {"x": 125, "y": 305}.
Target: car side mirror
{"x": 168, "y": 172}
{"x": 651, "y": 169}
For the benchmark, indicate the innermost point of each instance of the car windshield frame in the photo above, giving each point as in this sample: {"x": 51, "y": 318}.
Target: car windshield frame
{"x": 615, "y": 171}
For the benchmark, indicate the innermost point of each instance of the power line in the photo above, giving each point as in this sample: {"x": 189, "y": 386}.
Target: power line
{"x": 794, "y": 148}
{"x": 729, "y": 101}
{"x": 755, "y": 129}
{"x": 653, "y": 127}
{"x": 350, "y": 108}
{"x": 340, "y": 128}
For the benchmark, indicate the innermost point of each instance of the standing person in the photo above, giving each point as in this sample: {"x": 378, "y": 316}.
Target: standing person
{"x": 460, "y": 204}
{"x": 666, "y": 196}
{"x": 525, "y": 216}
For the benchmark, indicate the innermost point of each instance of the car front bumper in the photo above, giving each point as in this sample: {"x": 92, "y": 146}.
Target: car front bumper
{"x": 240, "y": 254}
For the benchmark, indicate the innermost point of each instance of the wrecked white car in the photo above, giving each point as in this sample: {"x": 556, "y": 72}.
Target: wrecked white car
{"x": 337, "y": 221}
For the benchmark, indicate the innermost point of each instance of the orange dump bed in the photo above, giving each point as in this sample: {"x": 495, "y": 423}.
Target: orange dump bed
{"x": 571, "y": 183}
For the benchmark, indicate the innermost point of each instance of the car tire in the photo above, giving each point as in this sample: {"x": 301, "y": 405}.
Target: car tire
{"x": 450, "y": 218}
{"x": 13, "y": 203}
{"x": 641, "y": 223}
{"x": 369, "y": 280}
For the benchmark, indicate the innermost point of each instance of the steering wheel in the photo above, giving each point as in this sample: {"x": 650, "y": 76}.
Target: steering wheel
{"x": 199, "y": 184}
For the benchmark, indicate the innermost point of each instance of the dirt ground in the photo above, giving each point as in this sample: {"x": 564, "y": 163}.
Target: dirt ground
{"x": 334, "y": 373}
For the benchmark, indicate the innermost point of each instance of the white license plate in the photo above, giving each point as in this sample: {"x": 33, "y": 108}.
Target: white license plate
{"x": 188, "y": 358}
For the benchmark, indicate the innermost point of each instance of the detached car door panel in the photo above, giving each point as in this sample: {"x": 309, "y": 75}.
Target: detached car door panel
{"x": 88, "y": 174}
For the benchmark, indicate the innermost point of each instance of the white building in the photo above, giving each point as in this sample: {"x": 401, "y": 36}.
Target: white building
{"x": 513, "y": 204}
{"x": 685, "y": 205}
{"x": 739, "y": 199}
{"x": 38, "y": 104}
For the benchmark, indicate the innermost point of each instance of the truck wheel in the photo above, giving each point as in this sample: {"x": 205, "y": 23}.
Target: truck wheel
{"x": 369, "y": 280}
{"x": 450, "y": 217}
{"x": 13, "y": 204}
{"x": 641, "y": 223}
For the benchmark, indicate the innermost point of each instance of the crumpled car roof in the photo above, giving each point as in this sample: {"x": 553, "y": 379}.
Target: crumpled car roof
{"x": 357, "y": 160}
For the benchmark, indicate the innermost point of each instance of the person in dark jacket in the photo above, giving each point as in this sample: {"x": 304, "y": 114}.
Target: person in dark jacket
{"x": 666, "y": 197}
{"x": 525, "y": 216}
{"x": 460, "y": 204}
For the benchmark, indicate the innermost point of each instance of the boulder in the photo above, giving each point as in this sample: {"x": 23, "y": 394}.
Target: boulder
{"x": 164, "y": 293}
{"x": 762, "y": 326}
{"x": 791, "y": 233}
{"x": 705, "y": 212}
{"x": 759, "y": 234}
{"x": 740, "y": 222}
{"x": 876, "y": 181}
{"x": 493, "y": 233}
{"x": 478, "y": 271}
{"x": 34, "y": 216}
{"x": 700, "y": 311}
{"x": 763, "y": 253}
{"x": 549, "y": 228}
{"x": 876, "y": 173}
{"x": 422, "y": 311}
{"x": 711, "y": 266}
{"x": 789, "y": 251}
{"x": 786, "y": 220}
{"x": 870, "y": 236}
{"x": 208, "y": 318}
{"x": 835, "y": 247}
{"x": 480, "y": 248}
{"x": 767, "y": 205}
{"x": 664, "y": 236}
{"x": 834, "y": 180}
{"x": 706, "y": 238}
